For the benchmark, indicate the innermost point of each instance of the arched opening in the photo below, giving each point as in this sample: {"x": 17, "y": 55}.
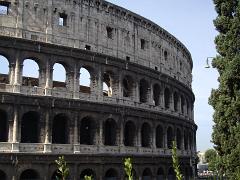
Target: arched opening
{"x": 147, "y": 174}
{"x": 171, "y": 174}
{"x": 107, "y": 84}
{"x": 30, "y": 127}
{"x": 176, "y": 101}
{"x": 185, "y": 140}
{"x": 110, "y": 132}
{"x": 146, "y": 135}
{"x": 87, "y": 172}
{"x": 160, "y": 174}
{"x": 4, "y": 70}
{"x": 60, "y": 129}
{"x": 87, "y": 131}
{"x": 29, "y": 174}
{"x": 3, "y": 176}
{"x": 59, "y": 76}
{"x": 3, "y": 126}
{"x": 143, "y": 91}
{"x": 159, "y": 136}
{"x": 167, "y": 98}
{"x": 169, "y": 137}
{"x": 85, "y": 81}
{"x": 156, "y": 94}
{"x": 30, "y": 73}
{"x": 111, "y": 174}
{"x": 128, "y": 85}
{"x": 179, "y": 139}
{"x": 129, "y": 134}
{"x": 182, "y": 104}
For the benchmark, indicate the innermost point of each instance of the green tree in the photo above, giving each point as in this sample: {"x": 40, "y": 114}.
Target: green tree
{"x": 212, "y": 159}
{"x": 128, "y": 168}
{"x": 176, "y": 165}
{"x": 63, "y": 170}
{"x": 226, "y": 99}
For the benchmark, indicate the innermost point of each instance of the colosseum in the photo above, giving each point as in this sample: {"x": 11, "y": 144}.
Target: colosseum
{"x": 138, "y": 101}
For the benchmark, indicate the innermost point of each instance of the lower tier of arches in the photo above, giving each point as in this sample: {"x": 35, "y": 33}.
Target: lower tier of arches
{"x": 42, "y": 167}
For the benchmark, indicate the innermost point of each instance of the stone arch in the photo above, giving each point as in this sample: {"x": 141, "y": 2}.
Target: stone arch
{"x": 146, "y": 135}
{"x": 3, "y": 126}
{"x": 171, "y": 174}
{"x": 111, "y": 174}
{"x": 4, "y": 69}
{"x": 147, "y": 174}
{"x": 3, "y": 175}
{"x": 129, "y": 133}
{"x": 30, "y": 73}
{"x": 176, "y": 101}
{"x": 110, "y": 132}
{"x": 182, "y": 105}
{"x": 88, "y": 172}
{"x": 60, "y": 129}
{"x": 29, "y": 174}
{"x": 160, "y": 174}
{"x": 108, "y": 83}
{"x": 167, "y": 97}
{"x": 85, "y": 80}
{"x": 186, "y": 140}
{"x": 156, "y": 94}
{"x": 30, "y": 127}
{"x": 170, "y": 137}
{"x": 179, "y": 139}
{"x": 159, "y": 136}
{"x": 128, "y": 86}
{"x": 59, "y": 75}
{"x": 143, "y": 91}
{"x": 87, "y": 131}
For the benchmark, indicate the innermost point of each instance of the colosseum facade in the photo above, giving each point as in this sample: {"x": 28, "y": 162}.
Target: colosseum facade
{"x": 147, "y": 101}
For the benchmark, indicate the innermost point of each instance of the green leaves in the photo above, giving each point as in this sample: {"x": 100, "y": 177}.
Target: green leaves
{"x": 128, "y": 168}
{"x": 176, "y": 165}
{"x": 63, "y": 170}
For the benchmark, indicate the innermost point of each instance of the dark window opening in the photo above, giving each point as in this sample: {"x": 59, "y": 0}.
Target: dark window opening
{"x": 2, "y": 175}
{"x": 185, "y": 141}
{"x": 29, "y": 174}
{"x": 156, "y": 94}
{"x": 87, "y": 172}
{"x": 110, "y": 132}
{"x": 111, "y": 174}
{"x": 87, "y": 47}
{"x": 59, "y": 129}
{"x": 165, "y": 55}
{"x": 144, "y": 87}
{"x": 127, "y": 58}
{"x": 29, "y": 127}
{"x": 171, "y": 174}
{"x": 180, "y": 66}
{"x": 129, "y": 134}
{"x": 190, "y": 141}
{"x": 143, "y": 44}
{"x": 127, "y": 86}
{"x": 179, "y": 139}
{"x": 56, "y": 175}
{"x": 176, "y": 101}
{"x": 3, "y": 126}
{"x": 156, "y": 68}
{"x": 62, "y": 21}
{"x": 182, "y": 104}
{"x": 160, "y": 174}
{"x": 147, "y": 174}
{"x": 167, "y": 98}
{"x": 87, "y": 131}
{"x": 169, "y": 138}
{"x": 146, "y": 135}
{"x": 4, "y": 8}
{"x": 159, "y": 137}
{"x": 109, "y": 32}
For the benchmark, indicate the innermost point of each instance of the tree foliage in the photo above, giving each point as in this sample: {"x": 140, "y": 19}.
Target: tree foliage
{"x": 128, "y": 168}
{"x": 226, "y": 99}
{"x": 176, "y": 165}
{"x": 211, "y": 157}
{"x": 63, "y": 170}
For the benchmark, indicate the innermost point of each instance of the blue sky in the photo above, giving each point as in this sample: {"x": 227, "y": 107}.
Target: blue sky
{"x": 191, "y": 22}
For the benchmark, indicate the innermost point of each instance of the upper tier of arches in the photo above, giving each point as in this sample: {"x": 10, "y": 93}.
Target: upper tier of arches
{"x": 101, "y": 27}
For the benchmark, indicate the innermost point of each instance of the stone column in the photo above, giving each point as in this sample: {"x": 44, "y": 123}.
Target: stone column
{"x": 48, "y": 79}
{"x": 42, "y": 77}
{"x": 15, "y": 140}
{"x": 154, "y": 137}
{"x": 11, "y": 73}
{"x": 76, "y": 142}
{"x": 17, "y": 75}
{"x": 76, "y": 83}
{"x": 121, "y": 134}
{"x": 150, "y": 97}
{"x": 47, "y": 144}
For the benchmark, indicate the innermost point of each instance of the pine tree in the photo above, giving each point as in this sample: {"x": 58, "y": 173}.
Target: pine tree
{"x": 226, "y": 99}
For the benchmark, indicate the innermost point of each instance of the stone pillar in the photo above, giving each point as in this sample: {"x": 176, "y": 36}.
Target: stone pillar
{"x": 15, "y": 140}
{"x": 47, "y": 144}
{"x": 76, "y": 83}
{"x": 76, "y": 142}
{"x": 11, "y": 73}
{"x": 99, "y": 88}
{"x": 121, "y": 134}
{"x": 139, "y": 140}
{"x": 17, "y": 75}
{"x": 154, "y": 137}
{"x": 171, "y": 101}
{"x": 42, "y": 77}
{"x": 100, "y": 140}
{"x": 136, "y": 93}
{"x": 70, "y": 81}
{"x": 48, "y": 79}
